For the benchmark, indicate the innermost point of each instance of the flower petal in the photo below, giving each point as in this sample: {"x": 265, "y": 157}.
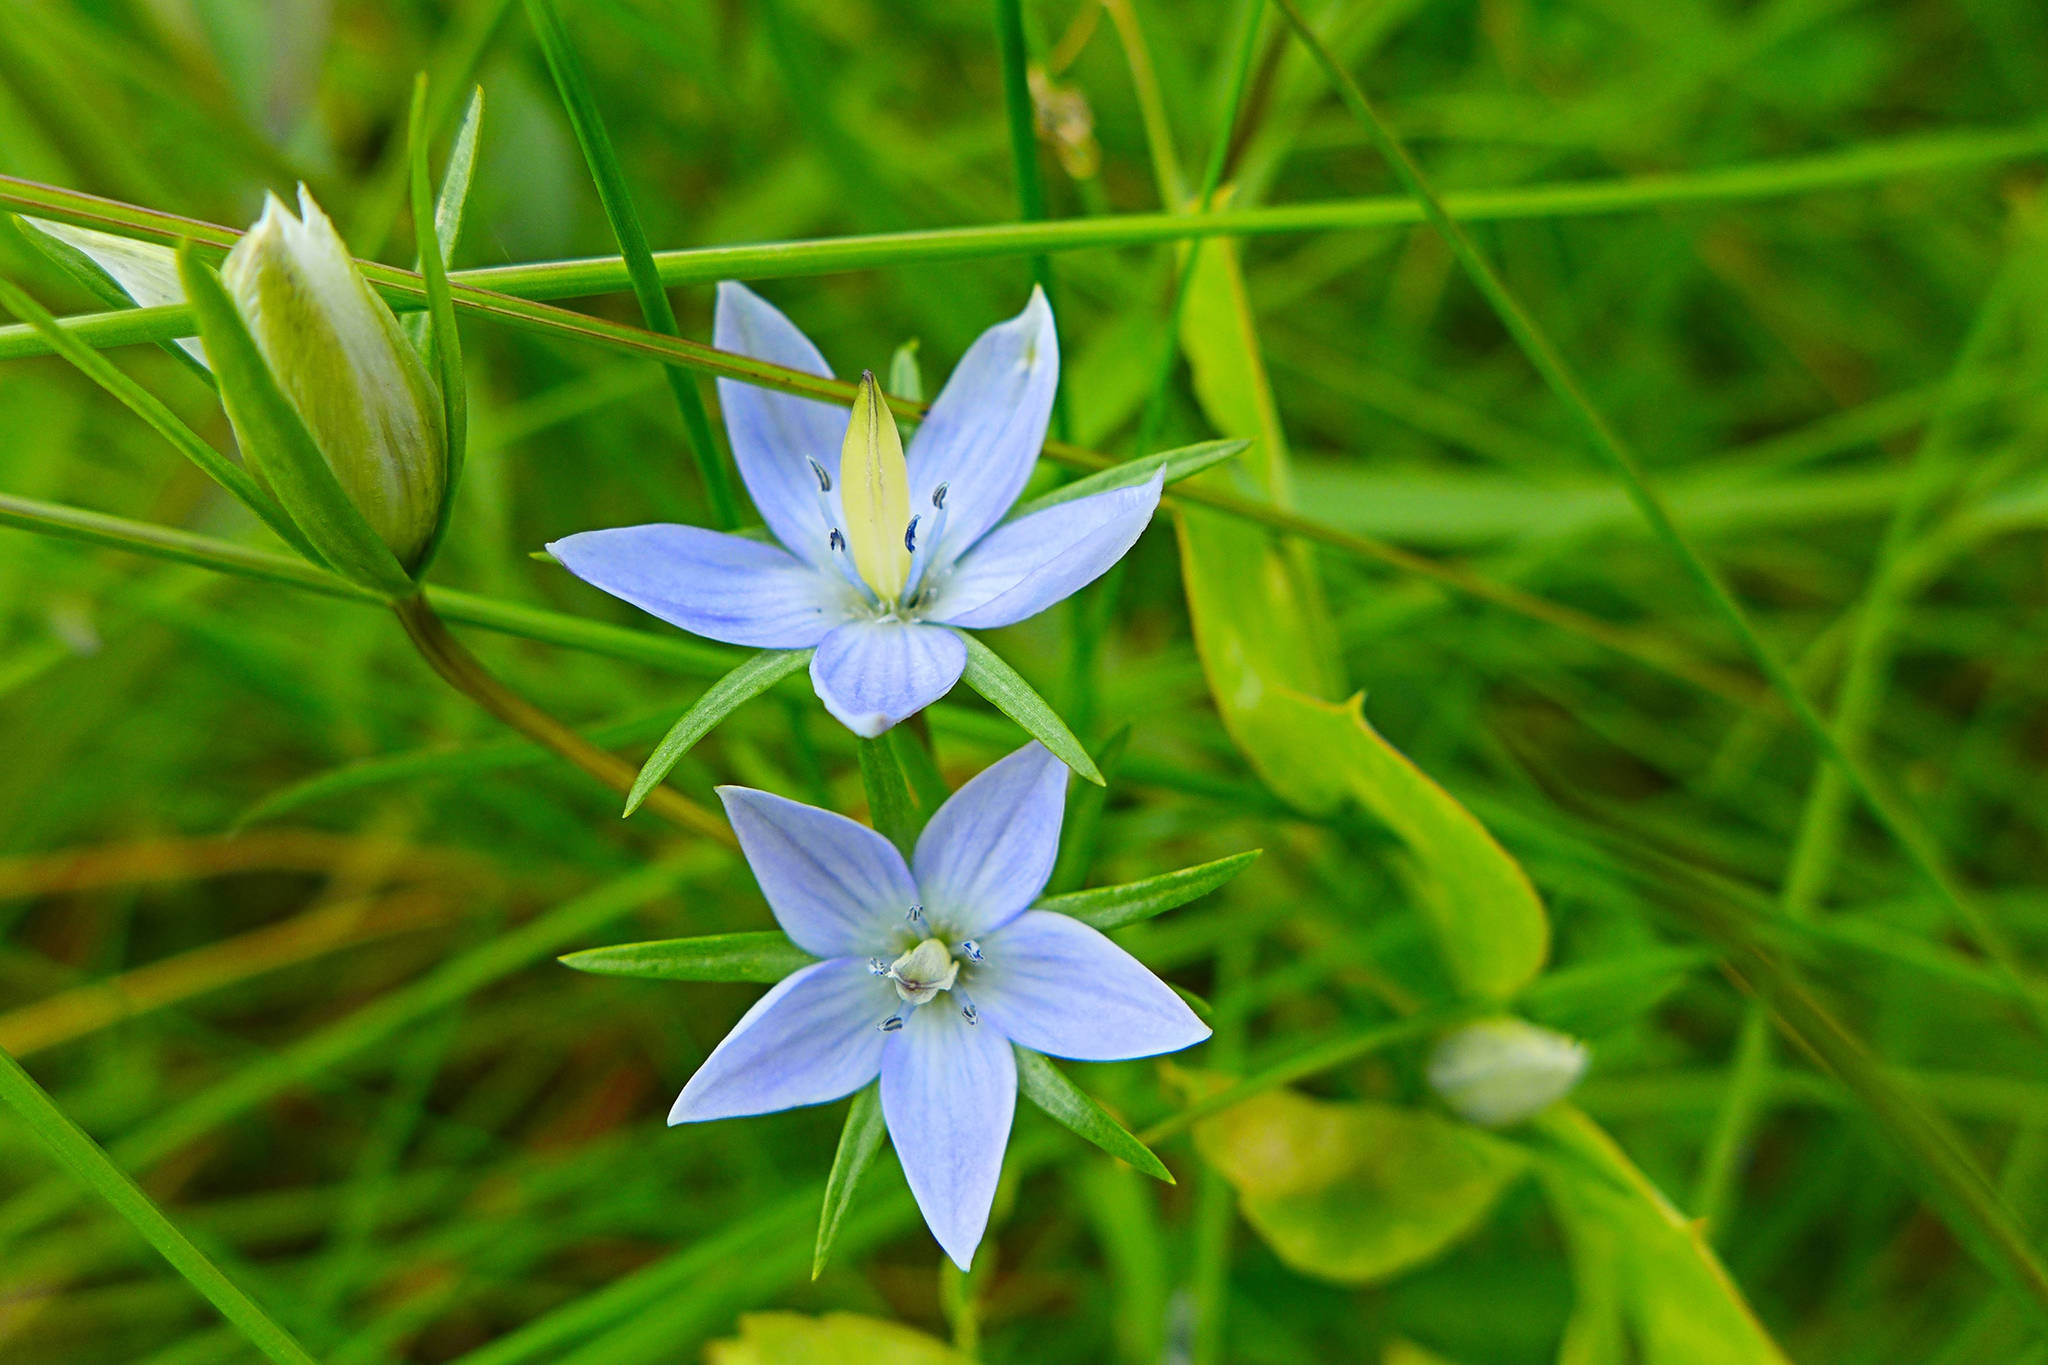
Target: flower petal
{"x": 1020, "y": 569}
{"x": 775, "y": 435}
{"x": 987, "y": 852}
{"x": 873, "y": 673}
{"x": 812, "y": 1038}
{"x": 984, "y": 431}
{"x": 949, "y": 1091}
{"x": 837, "y": 888}
{"x": 722, "y": 587}
{"x": 1057, "y": 986}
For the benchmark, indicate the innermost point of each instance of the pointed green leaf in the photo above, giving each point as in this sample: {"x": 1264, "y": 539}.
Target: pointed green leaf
{"x": 451, "y": 202}
{"x": 1046, "y": 1086}
{"x": 906, "y": 380}
{"x": 859, "y": 1140}
{"x": 765, "y": 956}
{"x": 1007, "y": 691}
{"x": 444, "y": 350}
{"x": 753, "y": 677}
{"x": 150, "y": 409}
{"x": 1183, "y": 463}
{"x": 277, "y": 443}
{"x": 1112, "y": 907}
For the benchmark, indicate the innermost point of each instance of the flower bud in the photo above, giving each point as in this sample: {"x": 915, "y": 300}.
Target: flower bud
{"x": 1498, "y": 1072}
{"x": 340, "y": 358}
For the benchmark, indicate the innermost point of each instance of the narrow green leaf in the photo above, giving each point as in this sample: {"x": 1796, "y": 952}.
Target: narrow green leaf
{"x": 1181, "y": 463}
{"x": 584, "y": 117}
{"x": 277, "y": 443}
{"x": 1112, "y": 907}
{"x": 1046, "y": 1086}
{"x": 152, "y": 410}
{"x": 765, "y": 956}
{"x": 444, "y": 340}
{"x": 859, "y": 1140}
{"x": 84, "y": 1158}
{"x": 753, "y": 677}
{"x": 1007, "y": 691}
{"x": 889, "y": 805}
{"x": 450, "y": 204}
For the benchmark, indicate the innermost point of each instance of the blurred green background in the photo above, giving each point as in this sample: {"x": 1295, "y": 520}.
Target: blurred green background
{"x": 277, "y": 908}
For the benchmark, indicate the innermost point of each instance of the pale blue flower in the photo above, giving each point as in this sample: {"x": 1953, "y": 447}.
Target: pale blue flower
{"x": 882, "y": 552}
{"x": 932, "y": 971}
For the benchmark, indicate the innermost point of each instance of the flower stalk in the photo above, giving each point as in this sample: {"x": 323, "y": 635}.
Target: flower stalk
{"x": 466, "y": 673}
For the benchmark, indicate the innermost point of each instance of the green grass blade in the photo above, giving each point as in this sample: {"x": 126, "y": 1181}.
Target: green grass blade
{"x": 1184, "y": 463}
{"x": 766, "y": 956}
{"x": 278, "y": 443}
{"x": 1113, "y": 907}
{"x": 444, "y": 339}
{"x": 591, "y": 135}
{"x": 152, "y": 410}
{"x": 1007, "y": 691}
{"x": 1046, "y": 1086}
{"x": 746, "y": 682}
{"x": 859, "y": 1140}
{"x": 77, "y": 1152}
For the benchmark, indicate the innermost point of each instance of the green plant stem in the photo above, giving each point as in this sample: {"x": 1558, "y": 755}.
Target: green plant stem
{"x": 464, "y": 672}
{"x": 75, "y": 1150}
{"x": 595, "y": 140}
{"x": 1154, "y": 416}
{"x": 1022, "y": 121}
{"x": 1897, "y": 817}
{"x": 889, "y": 803}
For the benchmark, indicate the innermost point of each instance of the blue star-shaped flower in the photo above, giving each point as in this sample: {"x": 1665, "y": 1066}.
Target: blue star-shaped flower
{"x": 932, "y": 971}
{"x": 882, "y": 553}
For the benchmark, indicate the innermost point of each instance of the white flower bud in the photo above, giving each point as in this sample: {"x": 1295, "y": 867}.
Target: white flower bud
{"x": 1498, "y": 1072}
{"x": 340, "y": 357}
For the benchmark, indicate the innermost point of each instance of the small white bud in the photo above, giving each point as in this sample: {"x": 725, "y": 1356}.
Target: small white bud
{"x": 1498, "y": 1072}
{"x": 341, "y": 358}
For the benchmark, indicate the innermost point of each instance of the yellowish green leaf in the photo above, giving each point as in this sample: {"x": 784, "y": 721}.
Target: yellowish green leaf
{"x": 1649, "y": 1287}
{"x": 833, "y": 1339}
{"x": 1355, "y": 1192}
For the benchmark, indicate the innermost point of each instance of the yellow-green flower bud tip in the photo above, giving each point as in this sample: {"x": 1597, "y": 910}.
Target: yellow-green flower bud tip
{"x": 340, "y": 357}
{"x": 876, "y": 493}
{"x": 1497, "y": 1072}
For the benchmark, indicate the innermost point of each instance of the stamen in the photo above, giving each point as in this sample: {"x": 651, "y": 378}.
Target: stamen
{"x": 891, "y": 1024}
{"x": 843, "y": 561}
{"x": 878, "y": 966}
{"x": 910, "y": 536}
{"x": 837, "y": 542}
{"x": 824, "y": 479}
{"x": 971, "y": 950}
{"x": 915, "y": 914}
{"x": 921, "y": 554}
{"x": 967, "y": 1010}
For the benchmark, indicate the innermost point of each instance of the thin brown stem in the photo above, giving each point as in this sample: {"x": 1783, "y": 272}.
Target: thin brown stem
{"x": 466, "y": 673}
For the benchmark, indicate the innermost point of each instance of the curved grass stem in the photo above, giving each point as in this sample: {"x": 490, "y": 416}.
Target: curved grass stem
{"x": 466, "y": 673}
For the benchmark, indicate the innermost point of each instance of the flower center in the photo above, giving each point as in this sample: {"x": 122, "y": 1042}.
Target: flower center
{"x": 884, "y": 550}
{"x": 875, "y": 490}
{"x": 926, "y": 969}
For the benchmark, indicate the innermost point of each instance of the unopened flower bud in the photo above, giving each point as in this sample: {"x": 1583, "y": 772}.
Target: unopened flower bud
{"x": 1498, "y": 1072}
{"x": 341, "y": 359}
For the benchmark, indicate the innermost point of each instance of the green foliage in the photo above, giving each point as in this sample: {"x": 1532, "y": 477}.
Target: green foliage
{"x": 1704, "y": 442}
